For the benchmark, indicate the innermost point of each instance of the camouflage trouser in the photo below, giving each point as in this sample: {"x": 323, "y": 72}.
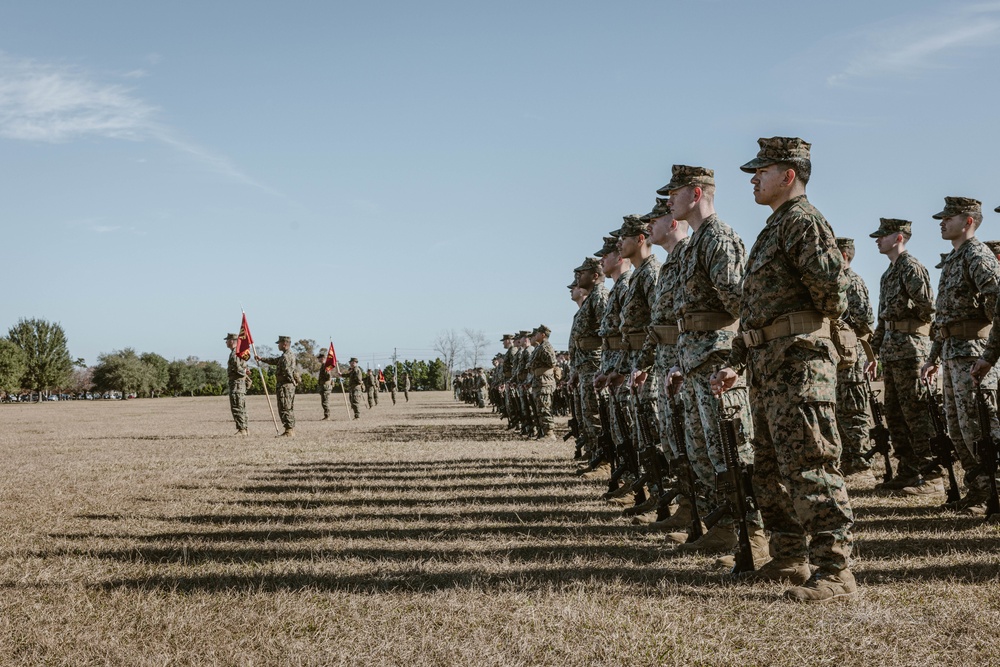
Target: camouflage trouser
{"x": 910, "y": 427}
{"x": 392, "y": 392}
{"x": 853, "y": 422}
{"x": 375, "y": 392}
{"x": 704, "y": 433}
{"x": 590, "y": 411}
{"x": 357, "y": 396}
{"x": 621, "y": 424}
{"x": 799, "y": 487}
{"x": 238, "y": 404}
{"x": 963, "y": 415}
{"x": 543, "y": 407}
{"x": 371, "y": 396}
{"x": 324, "y": 400}
{"x": 406, "y": 395}
{"x": 286, "y": 404}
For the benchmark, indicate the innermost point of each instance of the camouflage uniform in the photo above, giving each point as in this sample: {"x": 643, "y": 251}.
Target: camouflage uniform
{"x": 325, "y": 385}
{"x": 795, "y": 266}
{"x": 355, "y": 381}
{"x": 585, "y": 350}
{"x": 236, "y": 371}
{"x": 507, "y": 371}
{"x": 611, "y": 351}
{"x": 285, "y": 378}
{"x": 370, "y": 388}
{"x": 390, "y": 383}
{"x": 853, "y": 422}
{"x": 902, "y": 343}
{"x": 522, "y": 376}
{"x": 965, "y": 308}
{"x": 543, "y": 382}
{"x": 406, "y": 386}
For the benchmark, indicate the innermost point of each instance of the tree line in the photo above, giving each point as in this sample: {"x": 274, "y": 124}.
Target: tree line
{"x": 34, "y": 357}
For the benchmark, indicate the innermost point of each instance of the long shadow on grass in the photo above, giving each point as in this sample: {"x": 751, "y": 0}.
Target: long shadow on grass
{"x": 522, "y": 516}
{"x": 390, "y": 486}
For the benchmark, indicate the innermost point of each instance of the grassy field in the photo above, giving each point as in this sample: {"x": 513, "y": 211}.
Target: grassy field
{"x": 143, "y": 533}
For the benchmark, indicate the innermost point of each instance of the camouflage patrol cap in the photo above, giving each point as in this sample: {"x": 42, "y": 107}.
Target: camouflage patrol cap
{"x": 994, "y": 246}
{"x": 997, "y": 209}
{"x": 610, "y": 245}
{"x": 632, "y": 225}
{"x": 589, "y": 264}
{"x": 283, "y": 339}
{"x": 355, "y": 361}
{"x": 660, "y": 209}
{"x": 682, "y": 175}
{"x": 891, "y": 226}
{"x": 958, "y": 206}
{"x": 844, "y": 243}
{"x": 507, "y": 337}
{"x": 523, "y": 334}
{"x": 944, "y": 256}
{"x": 232, "y": 336}
{"x": 541, "y": 328}
{"x": 778, "y": 149}
{"x": 572, "y": 285}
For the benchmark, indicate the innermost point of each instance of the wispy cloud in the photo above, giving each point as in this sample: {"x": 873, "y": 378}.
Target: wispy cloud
{"x": 57, "y": 103}
{"x": 915, "y": 44}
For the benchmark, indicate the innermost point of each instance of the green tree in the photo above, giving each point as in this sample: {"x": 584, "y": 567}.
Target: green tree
{"x": 121, "y": 370}
{"x": 12, "y": 365}
{"x": 438, "y": 375}
{"x": 183, "y": 378}
{"x": 47, "y": 360}
{"x": 158, "y": 375}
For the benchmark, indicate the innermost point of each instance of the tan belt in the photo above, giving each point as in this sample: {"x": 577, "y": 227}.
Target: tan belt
{"x": 589, "y": 343}
{"x": 792, "y": 324}
{"x": 708, "y": 322}
{"x": 635, "y": 340}
{"x": 540, "y": 372}
{"x": 615, "y": 343}
{"x": 913, "y": 327}
{"x": 664, "y": 334}
{"x": 966, "y": 329}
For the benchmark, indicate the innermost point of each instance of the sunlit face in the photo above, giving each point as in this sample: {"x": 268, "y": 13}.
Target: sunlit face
{"x": 661, "y": 228}
{"x": 628, "y": 246}
{"x": 230, "y": 343}
{"x": 682, "y": 201}
{"x": 768, "y": 184}
{"x": 886, "y": 243}
{"x": 609, "y": 262}
{"x": 953, "y": 226}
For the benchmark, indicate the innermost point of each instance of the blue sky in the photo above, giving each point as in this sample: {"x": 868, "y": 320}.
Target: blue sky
{"x": 380, "y": 172}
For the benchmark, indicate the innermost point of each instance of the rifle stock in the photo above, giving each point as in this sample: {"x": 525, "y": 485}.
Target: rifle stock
{"x": 879, "y": 433}
{"x": 736, "y": 481}
{"x": 987, "y": 451}
{"x": 941, "y": 444}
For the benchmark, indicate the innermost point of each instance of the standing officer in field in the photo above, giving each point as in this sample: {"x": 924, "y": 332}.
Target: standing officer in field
{"x": 707, "y": 304}
{"x": 585, "y": 347}
{"x": 794, "y": 293}
{"x": 543, "y": 381}
{"x": 355, "y": 381}
{"x": 370, "y": 388}
{"x": 325, "y": 384}
{"x": 286, "y": 375}
{"x": 852, "y": 397}
{"x": 902, "y": 342}
{"x": 405, "y": 382}
{"x": 964, "y": 314}
{"x": 238, "y": 372}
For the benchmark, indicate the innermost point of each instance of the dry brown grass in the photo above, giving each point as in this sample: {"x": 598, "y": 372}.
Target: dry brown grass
{"x": 142, "y": 533}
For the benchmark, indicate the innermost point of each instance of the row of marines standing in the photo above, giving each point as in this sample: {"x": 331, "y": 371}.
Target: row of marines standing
{"x": 719, "y": 365}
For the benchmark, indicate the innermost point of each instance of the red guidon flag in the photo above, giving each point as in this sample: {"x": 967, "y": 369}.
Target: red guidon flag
{"x": 331, "y": 359}
{"x": 244, "y": 340}
{"x": 381, "y": 378}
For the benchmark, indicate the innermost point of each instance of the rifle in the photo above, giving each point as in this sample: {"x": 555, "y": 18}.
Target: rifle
{"x": 628, "y": 462}
{"x": 574, "y": 422}
{"x": 987, "y": 451}
{"x": 650, "y": 457}
{"x": 942, "y": 445}
{"x": 677, "y": 424}
{"x": 737, "y": 480}
{"x": 529, "y": 407}
{"x": 879, "y": 433}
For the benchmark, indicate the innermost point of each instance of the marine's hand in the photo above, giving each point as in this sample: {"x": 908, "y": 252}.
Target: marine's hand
{"x": 723, "y": 379}
{"x": 979, "y": 369}
{"x": 928, "y": 372}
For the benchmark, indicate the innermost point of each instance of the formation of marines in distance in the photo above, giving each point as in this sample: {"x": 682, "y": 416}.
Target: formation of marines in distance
{"x": 729, "y": 392}
{"x": 287, "y": 376}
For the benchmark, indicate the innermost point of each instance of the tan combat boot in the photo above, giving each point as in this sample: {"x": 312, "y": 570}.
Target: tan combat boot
{"x": 758, "y": 547}
{"x": 681, "y": 537}
{"x": 289, "y": 433}
{"x": 929, "y": 485}
{"x": 791, "y": 570}
{"x": 825, "y": 586}
{"x": 718, "y": 540}
{"x": 243, "y": 432}
{"x": 603, "y": 471}
{"x": 679, "y": 519}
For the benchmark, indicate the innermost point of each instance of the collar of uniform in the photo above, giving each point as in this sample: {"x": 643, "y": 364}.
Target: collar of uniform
{"x": 784, "y": 208}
